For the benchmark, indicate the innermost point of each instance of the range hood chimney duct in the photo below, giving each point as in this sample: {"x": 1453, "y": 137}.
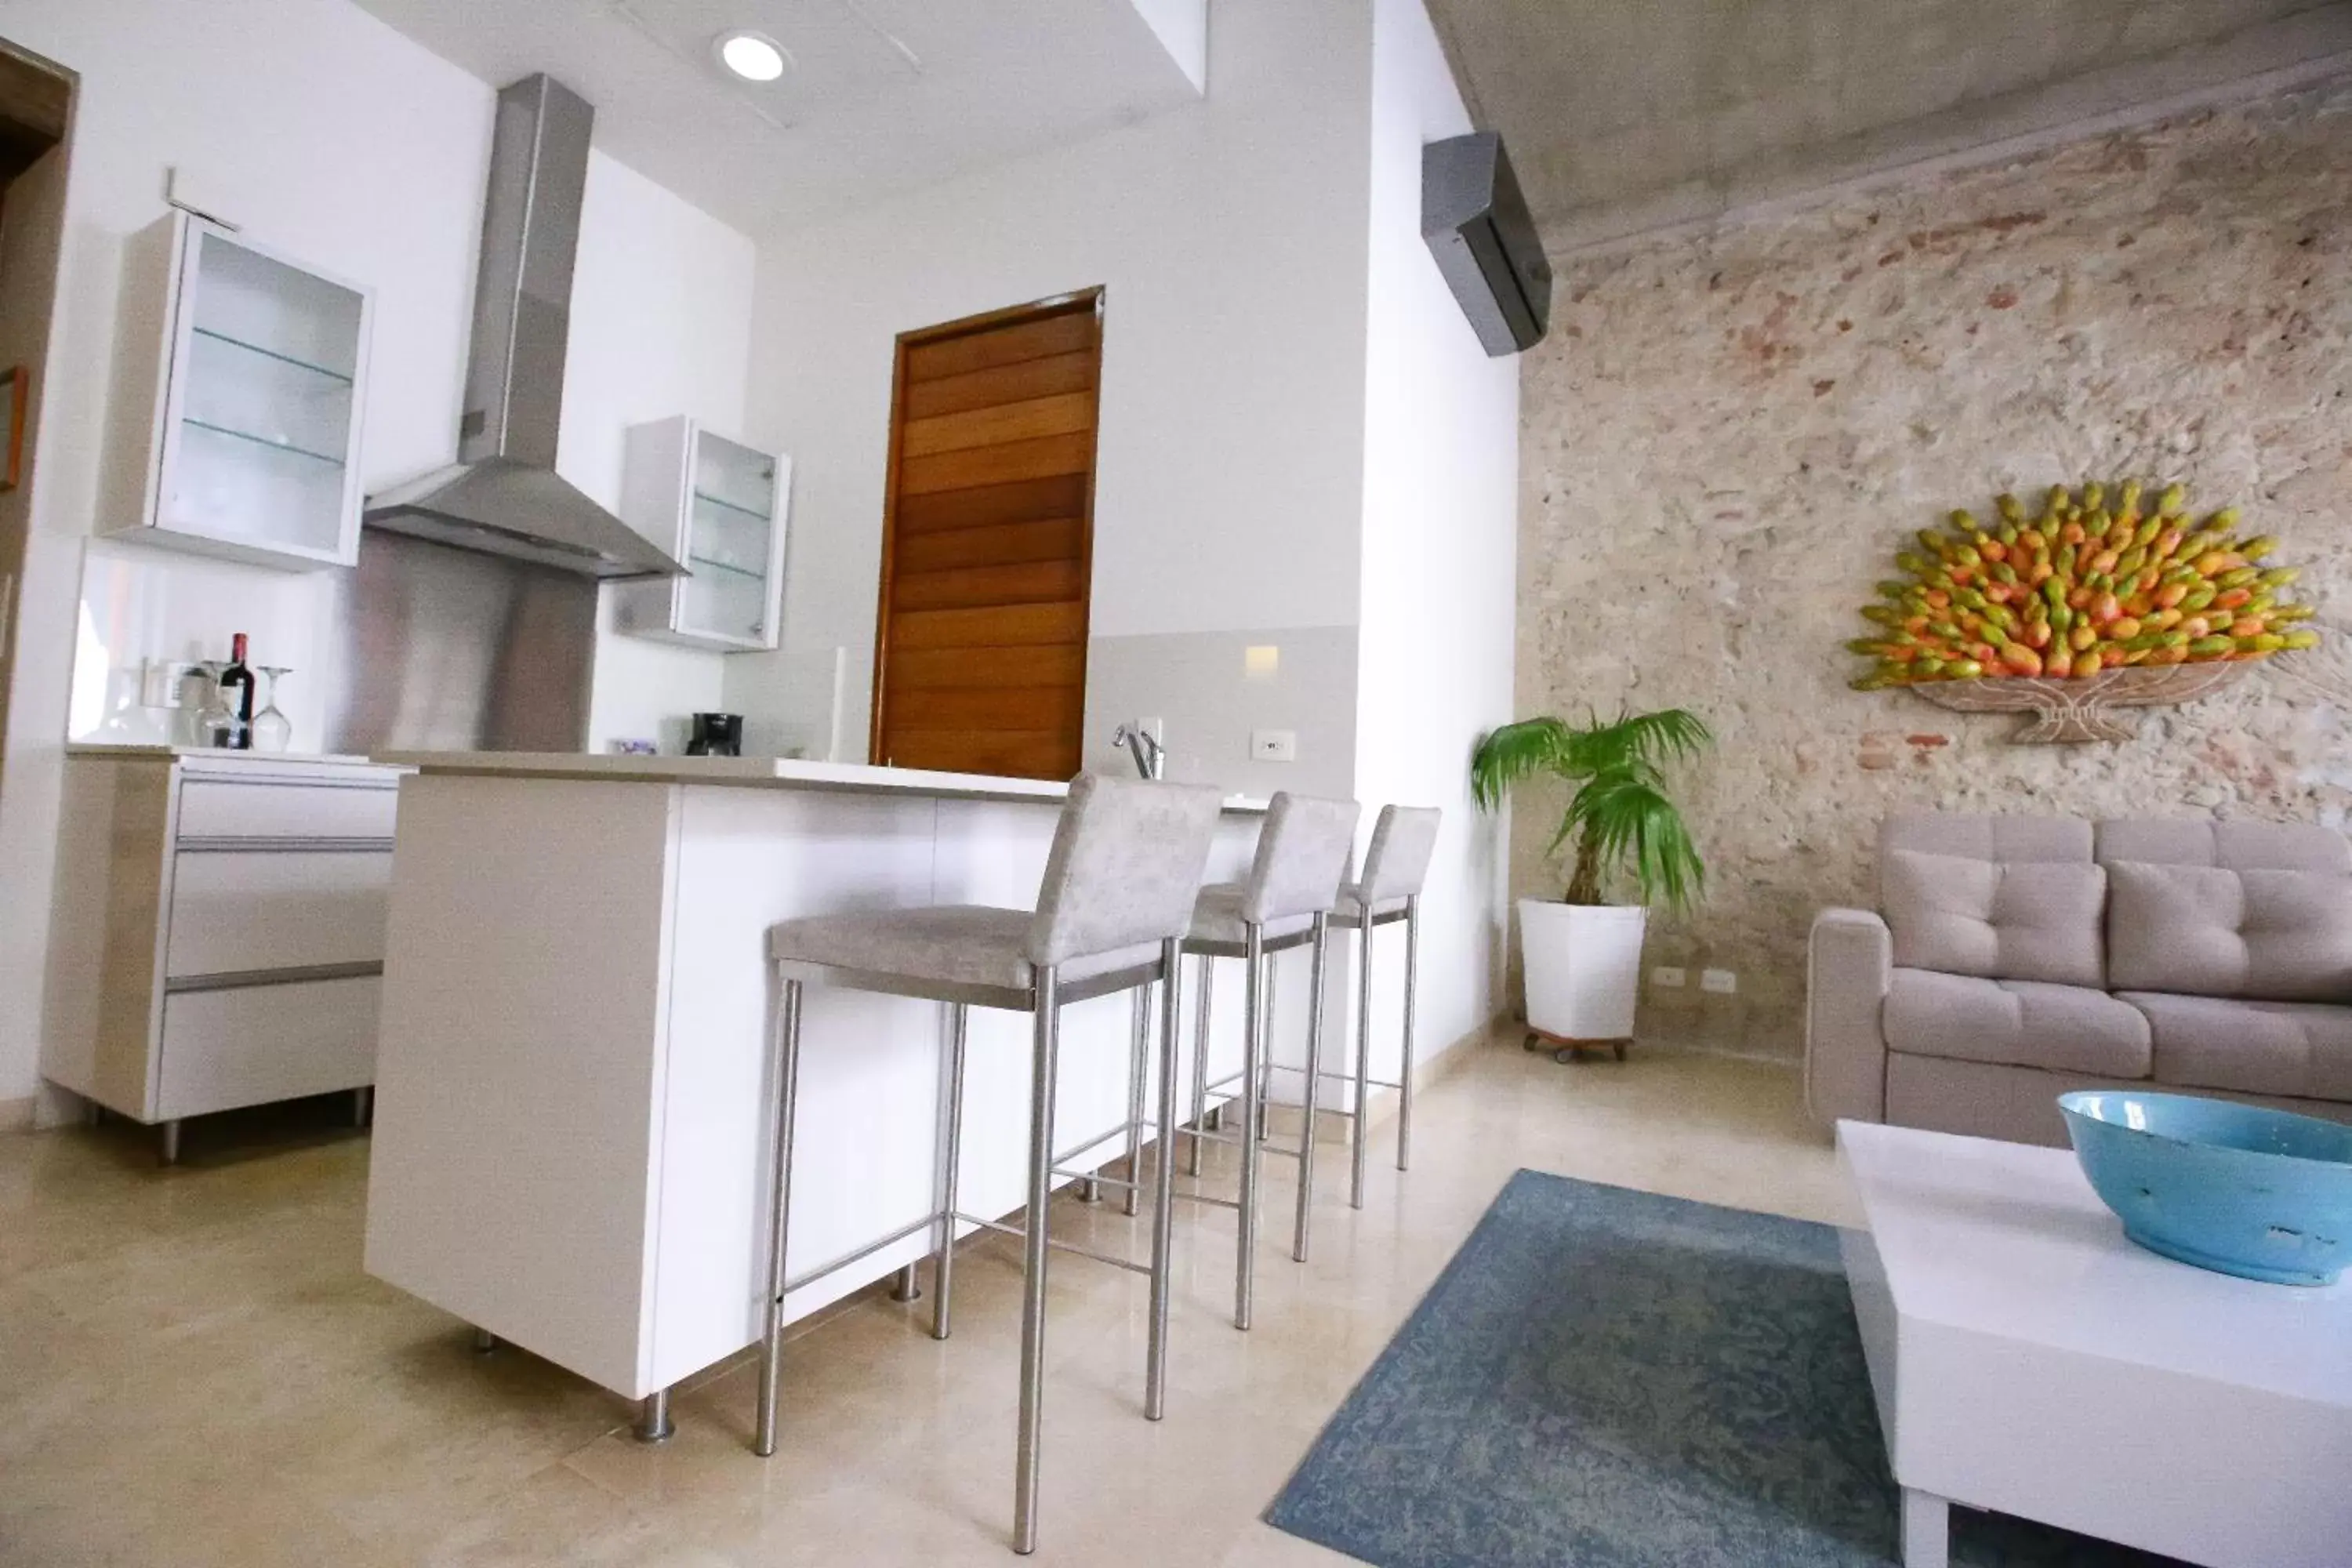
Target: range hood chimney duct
{"x": 503, "y": 496}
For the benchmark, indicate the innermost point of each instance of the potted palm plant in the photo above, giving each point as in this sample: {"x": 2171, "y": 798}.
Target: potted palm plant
{"x": 1583, "y": 953}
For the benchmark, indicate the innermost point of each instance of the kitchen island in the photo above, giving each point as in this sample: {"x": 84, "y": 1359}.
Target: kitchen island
{"x": 575, "y": 1074}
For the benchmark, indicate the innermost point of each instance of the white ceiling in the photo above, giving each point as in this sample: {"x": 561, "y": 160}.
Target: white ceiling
{"x": 880, "y": 97}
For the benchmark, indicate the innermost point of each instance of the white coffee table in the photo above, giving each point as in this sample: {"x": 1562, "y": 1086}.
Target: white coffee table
{"x": 2027, "y": 1359}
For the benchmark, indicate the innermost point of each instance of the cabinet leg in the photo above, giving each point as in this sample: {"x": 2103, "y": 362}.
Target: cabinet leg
{"x": 905, "y": 1287}
{"x": 168, "y": 1149}
{"x": 485, "y": 1342}
{"x": 362, "y": 1105}
{"x": 653, "y": 1424}
{"x": 1927, "y": 1530}
{"x": 93, "y": 1113}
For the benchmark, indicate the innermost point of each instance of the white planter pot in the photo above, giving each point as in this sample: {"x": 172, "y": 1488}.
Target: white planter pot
{"x": 1584, "y": 968}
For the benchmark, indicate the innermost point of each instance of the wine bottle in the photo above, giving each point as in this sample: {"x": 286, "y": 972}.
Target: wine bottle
{"x": 237, "y": 694}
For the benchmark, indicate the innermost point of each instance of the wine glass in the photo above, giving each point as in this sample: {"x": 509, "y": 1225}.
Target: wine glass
{"x": 272, "y": 729}
{"x": 216, "y": 722}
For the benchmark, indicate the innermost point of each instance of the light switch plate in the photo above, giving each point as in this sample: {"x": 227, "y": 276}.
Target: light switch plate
{"x": 1273, "y": 746}
{"x": 1672, "y": 976}
{"x": 1721, "y": 982}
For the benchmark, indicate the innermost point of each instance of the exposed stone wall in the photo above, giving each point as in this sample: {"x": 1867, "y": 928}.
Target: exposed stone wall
{"x": 1726, "y": 438}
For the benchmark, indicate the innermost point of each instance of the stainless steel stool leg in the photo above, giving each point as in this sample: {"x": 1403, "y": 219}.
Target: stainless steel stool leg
{"x": 1201, "y": 1065}
{"x": 1253, "y": 1045}
{"x": 1412, "y": 988}
{"x": 1163, "y": 1197}
{"x": 788, "y": 1087}
{"x": 653, "y": 1424}
{"x": 1360, "y": 1137}
{"x": 1047, "y": 1048}
{"x": 1138, "y": 1050}
{"x": 1314, "y": 1084}
{"x": 1266, "y": 1044}
{"x": 950, "y": 1167}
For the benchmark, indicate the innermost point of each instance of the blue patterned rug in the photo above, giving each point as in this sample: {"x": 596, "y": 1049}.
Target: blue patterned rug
{"x": 1604, "y": 1378}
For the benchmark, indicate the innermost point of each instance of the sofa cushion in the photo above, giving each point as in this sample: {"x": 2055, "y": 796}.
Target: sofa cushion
{"x": 2236, "y": 846}
{"x": 2300, "y": 1048}
{"x": 2276, "y": 936}
{"x": 2022, "y": 1023}
{"x": 1999, "y": 920}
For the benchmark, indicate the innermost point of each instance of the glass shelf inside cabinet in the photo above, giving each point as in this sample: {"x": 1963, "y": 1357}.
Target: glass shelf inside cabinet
{"x": 266, "y": 397}
{"x": 729, "y": 541}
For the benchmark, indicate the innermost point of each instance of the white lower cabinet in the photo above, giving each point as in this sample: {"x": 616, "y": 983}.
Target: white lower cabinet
{"x": 220, "y": 928}
{"x": 249, "y": 1044}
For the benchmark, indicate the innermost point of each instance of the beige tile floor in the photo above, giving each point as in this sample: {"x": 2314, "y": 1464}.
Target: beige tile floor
{"x": 193, "y": 1370}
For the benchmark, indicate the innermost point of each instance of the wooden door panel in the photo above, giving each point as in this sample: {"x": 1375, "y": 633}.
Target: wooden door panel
{"x": 1027, "y": 500}
{"x": 1002, "y": 384}
{"x": 980, "y": 650}
{"x": 1001, "y": 626}
{"x": 941, "y": 668}
{"x": 1066, "y": 332}
{"x": 1005, "y": 543}
{"x": 970, "y": 587}
{"x": 1048, "y": 455}
{"x": 1004, "y": 753}
{"x": 1019, "y": 709}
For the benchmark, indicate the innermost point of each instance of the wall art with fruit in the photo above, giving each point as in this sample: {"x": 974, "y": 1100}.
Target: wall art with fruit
{"x": 2101, "y": 600}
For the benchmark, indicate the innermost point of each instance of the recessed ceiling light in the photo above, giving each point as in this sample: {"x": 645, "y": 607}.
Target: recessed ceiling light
{"x": 754, "y": 57}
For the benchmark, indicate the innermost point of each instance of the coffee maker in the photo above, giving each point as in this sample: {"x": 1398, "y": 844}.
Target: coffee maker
{"x": 716, "y": 735}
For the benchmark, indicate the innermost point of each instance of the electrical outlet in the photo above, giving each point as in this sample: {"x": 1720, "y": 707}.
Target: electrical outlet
{"x": 1672, "y": 976}
{"x": 1273, "y": 746}
{"x": 1720, "y": 981}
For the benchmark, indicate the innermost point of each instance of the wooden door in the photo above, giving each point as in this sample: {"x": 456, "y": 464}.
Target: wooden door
{"x": 980, "y": 657}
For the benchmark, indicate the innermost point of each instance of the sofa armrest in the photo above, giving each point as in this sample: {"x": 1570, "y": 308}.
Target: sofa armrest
{"x": 1849, "y": 960}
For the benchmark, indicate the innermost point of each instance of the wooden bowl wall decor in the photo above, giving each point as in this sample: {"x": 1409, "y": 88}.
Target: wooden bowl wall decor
{"x": 2094, "y": 604}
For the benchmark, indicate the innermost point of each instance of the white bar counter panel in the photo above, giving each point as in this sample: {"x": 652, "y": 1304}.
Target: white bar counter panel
{"x": 575, "y": 1079}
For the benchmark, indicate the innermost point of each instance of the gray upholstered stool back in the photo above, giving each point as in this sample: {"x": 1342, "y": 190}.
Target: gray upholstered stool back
{"x": 1396, "y": 862}
{"x": 1302, "y": 857}
{"x": 1125, "y": 868}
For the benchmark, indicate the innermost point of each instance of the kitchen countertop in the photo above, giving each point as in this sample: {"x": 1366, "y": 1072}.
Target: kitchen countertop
{"x": 161, "y": 751}
{"x": 750, "y": 773}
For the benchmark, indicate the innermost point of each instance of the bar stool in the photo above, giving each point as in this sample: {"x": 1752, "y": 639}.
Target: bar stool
{"x": 1293, "y": 886}
{"x": 1115, "y": 903}
{"x": 1396, "y": 864}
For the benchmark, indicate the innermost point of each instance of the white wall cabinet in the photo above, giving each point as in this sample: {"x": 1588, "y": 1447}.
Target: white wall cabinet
{"x": 220, "y": 928}
{"x": 719, "y": 507}
{"x": 237, "y": 423}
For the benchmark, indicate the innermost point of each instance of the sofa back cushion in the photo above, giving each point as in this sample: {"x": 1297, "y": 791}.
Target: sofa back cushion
{"x": 2234, "y": 845}
{"x": 2209, "y": 931}
{"x": 1986, "y": 836}
{"x": 1997, "y": 920}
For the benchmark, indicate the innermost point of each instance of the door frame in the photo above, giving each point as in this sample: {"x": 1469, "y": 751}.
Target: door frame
{"x": 987, "y": 321}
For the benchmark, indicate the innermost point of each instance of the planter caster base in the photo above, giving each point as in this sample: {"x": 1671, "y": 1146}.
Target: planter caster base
{"x": 1565, "y": 1050}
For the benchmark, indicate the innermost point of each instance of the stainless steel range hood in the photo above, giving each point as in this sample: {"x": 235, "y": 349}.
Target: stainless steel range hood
{"x": 503, "y": 496}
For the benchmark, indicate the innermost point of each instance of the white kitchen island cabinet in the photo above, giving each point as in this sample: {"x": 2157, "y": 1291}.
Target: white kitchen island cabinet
{"x": 575, "y": 1075}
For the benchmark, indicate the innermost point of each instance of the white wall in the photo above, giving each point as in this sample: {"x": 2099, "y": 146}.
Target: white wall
{"x": 1441, "y": 487}
{"x": 335, "y": 139}
{"x": 1229, "y": 236}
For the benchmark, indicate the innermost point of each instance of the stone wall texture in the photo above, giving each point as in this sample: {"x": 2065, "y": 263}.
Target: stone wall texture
{"x": 1726, "y": 438}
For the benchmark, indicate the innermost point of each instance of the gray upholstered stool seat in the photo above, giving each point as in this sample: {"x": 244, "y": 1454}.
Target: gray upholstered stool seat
{"x": 1217, "y": 922}
{"x": 1396, "y": 864}
{"x": 1294, "y": 881}
{"x": 1112, "y": 910}
{"x": 952, "y": 944}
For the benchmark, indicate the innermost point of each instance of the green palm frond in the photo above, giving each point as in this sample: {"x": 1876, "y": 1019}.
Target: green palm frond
{"x": 1620, "y": 815}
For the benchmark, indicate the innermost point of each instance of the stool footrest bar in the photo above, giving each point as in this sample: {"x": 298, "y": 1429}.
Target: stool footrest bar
{"x": 1130, "y": 1264}
{"x": 914, "y": 1227}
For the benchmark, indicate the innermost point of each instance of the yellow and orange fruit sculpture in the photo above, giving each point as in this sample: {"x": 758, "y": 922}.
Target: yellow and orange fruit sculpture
{"x": 2095, "y": 582}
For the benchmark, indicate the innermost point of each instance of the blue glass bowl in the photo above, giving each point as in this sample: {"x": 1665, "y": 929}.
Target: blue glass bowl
{"x": 2263, "y": 1194}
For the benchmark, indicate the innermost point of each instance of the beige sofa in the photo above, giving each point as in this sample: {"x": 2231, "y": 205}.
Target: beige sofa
{"x": 2013, "y": 958}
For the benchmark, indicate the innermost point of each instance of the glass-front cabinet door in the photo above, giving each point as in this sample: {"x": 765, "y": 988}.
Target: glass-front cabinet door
{"x": 254, "y": 443}
{"x": 719, "y": 507}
